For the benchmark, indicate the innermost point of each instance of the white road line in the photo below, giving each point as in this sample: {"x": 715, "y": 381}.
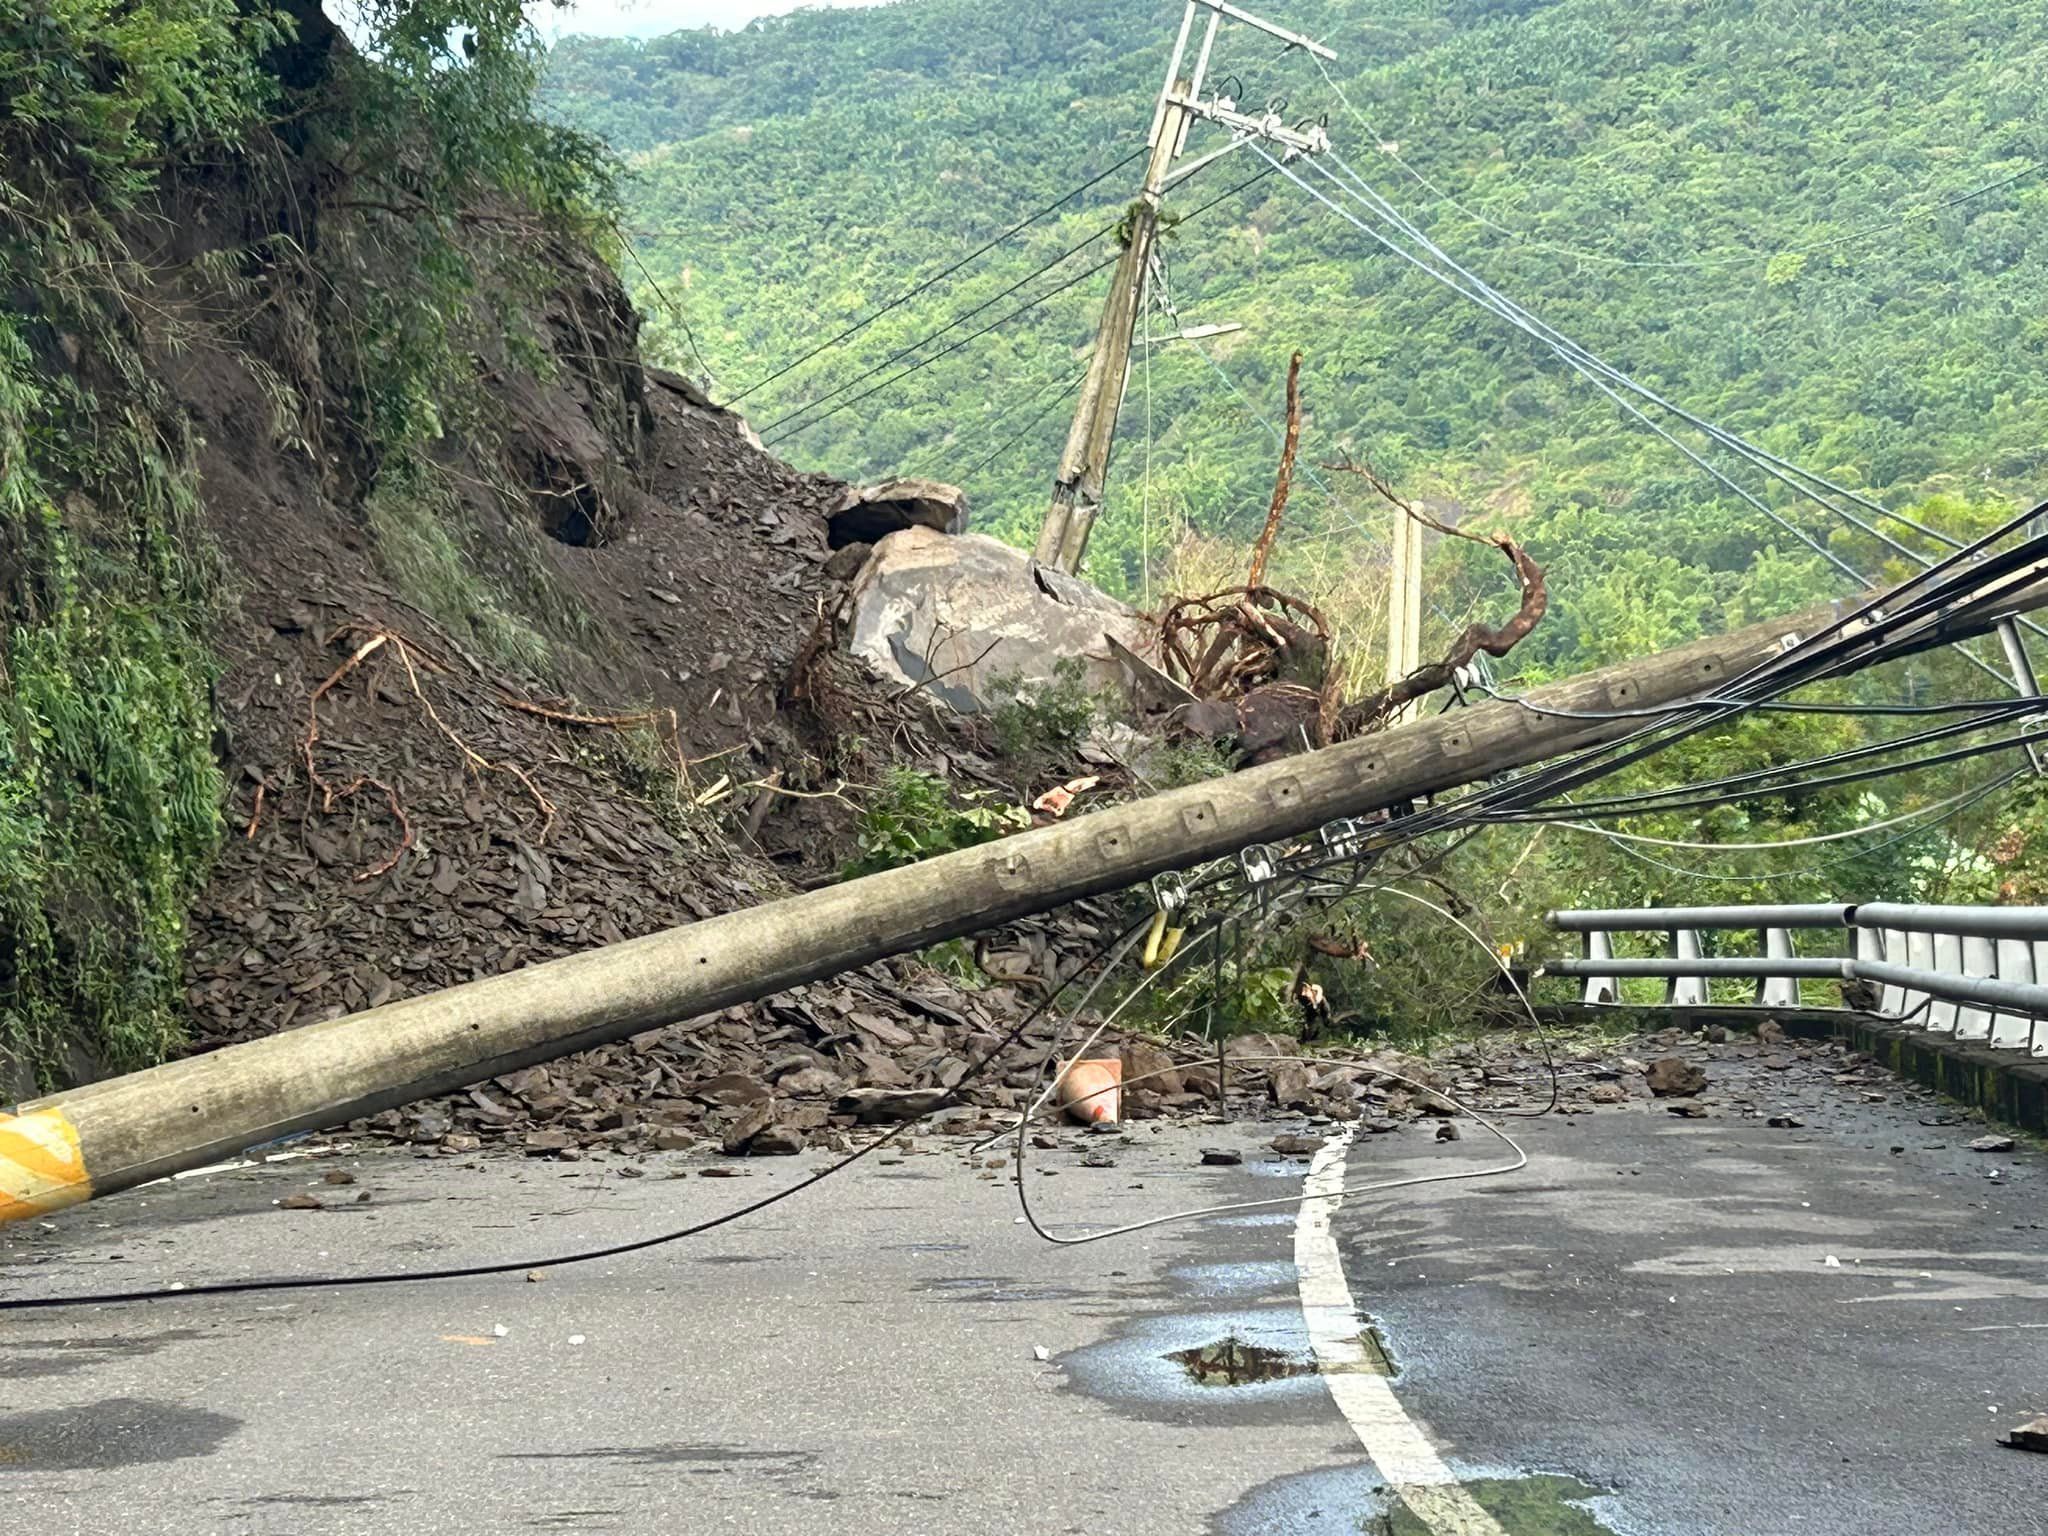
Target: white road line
{"x": 1396, "y": 1443}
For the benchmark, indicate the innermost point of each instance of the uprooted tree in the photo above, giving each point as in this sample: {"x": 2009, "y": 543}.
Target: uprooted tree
{"x": 1259, "y": 667}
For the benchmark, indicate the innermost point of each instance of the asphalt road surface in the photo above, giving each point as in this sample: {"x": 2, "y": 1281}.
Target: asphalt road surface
{"x": 1638, "y": 1333}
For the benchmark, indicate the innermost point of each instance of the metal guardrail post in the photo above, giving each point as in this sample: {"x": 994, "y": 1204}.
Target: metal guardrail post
{"x": 1686, "y": 991}
{"x": 1943, "y": 1017}
{"x": 1979, "y": 959}
{"x": 2012, "y": 960}
{"x": 1919, "y": 957}
{"x": 1777, "y": 991}
{"x": 1601, "y": 989}
{"x": 1870, "y": 946}
{"x": 2037, "y": 1030}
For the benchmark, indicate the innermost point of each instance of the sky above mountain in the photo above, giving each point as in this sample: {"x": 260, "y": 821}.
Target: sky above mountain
{"x": 651, "y": 18}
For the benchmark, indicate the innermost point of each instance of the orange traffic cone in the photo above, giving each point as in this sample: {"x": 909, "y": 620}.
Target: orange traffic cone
{"x": 1092, "y": 1090}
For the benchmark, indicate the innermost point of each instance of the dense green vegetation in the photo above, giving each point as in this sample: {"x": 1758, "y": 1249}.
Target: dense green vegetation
{"x": 1809, "y": 221}
{"x": 794, "y": 175}
{"x": 121, "y": 120}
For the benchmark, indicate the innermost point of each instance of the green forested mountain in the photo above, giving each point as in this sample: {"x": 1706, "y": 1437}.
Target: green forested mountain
{"x": 1815, "y": 221}
{"x": 1738, "y": 200}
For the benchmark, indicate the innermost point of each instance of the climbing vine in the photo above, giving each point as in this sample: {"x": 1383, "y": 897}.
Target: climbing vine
{"x": 435, "y": 178}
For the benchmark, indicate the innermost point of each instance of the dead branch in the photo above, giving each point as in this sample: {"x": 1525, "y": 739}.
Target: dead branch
{"x": 1283, "y": 480}
{"x": 1371, "y": 712}
{"x": 474, "y": 761}
{"x": 764, "y": 802}
{"x": 405, "y": 835}
{"x": 654, "y": 719}
{"x": 329, "y": 795}
{"x": 940, "y": 634}
{"x": 412, "y": 657}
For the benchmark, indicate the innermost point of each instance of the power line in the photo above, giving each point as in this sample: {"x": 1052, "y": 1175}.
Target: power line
{"x": 1025, "y": 431}
{"x": 1967, "y": 802}
{"x": 1602, "y": 375}
{"x": 1873, "y": 630}
{"x": 1805, "y": 841}
{"x": 945, "y": 351}
{"x": 2016, "y": 742}
{"x": 933, "y": 335}
{"x": 1802, "y": 481}
{"x": 994, "y": 325}
{"x": 934, "y": 462}
{"x": 923, "y": 286}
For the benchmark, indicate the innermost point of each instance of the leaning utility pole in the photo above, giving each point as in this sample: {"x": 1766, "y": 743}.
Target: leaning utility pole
{"x": 1404, "y": 607}
{"x": 109, "y": 1136}
{"x": 1077, "y": 488}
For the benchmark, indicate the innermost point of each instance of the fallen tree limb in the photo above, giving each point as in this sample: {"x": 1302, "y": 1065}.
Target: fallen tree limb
{"x": 1371, "y": 712}
{"x": 1283, "y": 481}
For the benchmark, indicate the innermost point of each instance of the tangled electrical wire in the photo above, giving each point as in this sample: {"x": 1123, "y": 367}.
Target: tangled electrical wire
{"x": 1968, "y": 585}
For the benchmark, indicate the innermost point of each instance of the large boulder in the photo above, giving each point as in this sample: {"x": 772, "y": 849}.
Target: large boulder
{"x": 867, "y": 514}
{"x": 957, "y": 611}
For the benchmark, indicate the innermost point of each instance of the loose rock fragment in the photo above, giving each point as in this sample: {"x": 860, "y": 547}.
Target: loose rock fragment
{"x": 1992, "y": 1144}
{"x": 2030, "y": 1436}
{"x": 1675, "y": 1077}
{"x": 872, "y": 1106}
{"x": 777, "y": 1141}
{"x": 1222, "y": 1157}
{"x": 1296, "y": 1146}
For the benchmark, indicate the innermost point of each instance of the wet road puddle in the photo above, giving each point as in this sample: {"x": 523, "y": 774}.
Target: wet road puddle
{"x": 1235, "y": 1362}
{"x": 1541, "y": 1504}
{"x": 1353, "y": 1501}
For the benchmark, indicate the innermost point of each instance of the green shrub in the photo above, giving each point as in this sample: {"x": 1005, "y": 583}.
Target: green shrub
{"x": 1044, "y": 720}
{"x": 912, "y": 816}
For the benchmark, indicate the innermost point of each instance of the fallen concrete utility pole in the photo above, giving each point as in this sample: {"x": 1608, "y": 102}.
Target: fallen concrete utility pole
{"x": 113, "y": 1135}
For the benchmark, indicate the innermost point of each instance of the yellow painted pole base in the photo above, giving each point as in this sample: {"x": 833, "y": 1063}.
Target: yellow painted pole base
{"x": 41, "y": 1168}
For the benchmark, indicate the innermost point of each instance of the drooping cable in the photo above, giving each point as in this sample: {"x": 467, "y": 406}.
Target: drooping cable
{"x": 1519, "y": 1159}
{"x": 804, "y": 426}
{"x": 1800, "y": 481}
{"x": 924, "y": 285}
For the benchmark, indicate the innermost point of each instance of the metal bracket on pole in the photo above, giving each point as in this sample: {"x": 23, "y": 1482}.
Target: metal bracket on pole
{"x": 1256, "y": 862}
{"x": 1343, "y": 838}
{"x": 1292, "y": 39}
{"x": 1169, "y": 891}
{"x": 1162, "y": 939}
{"x": 1268, "y": 126}
{"x": 1077, "y": 493}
